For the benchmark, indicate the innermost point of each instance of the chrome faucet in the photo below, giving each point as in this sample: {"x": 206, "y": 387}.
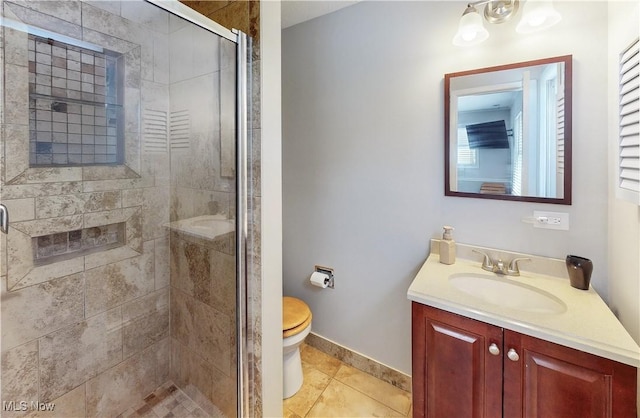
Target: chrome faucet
{"x": 498, "y": 266}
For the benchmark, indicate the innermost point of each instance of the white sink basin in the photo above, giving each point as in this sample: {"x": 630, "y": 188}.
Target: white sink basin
{"x": 506, "y": 293}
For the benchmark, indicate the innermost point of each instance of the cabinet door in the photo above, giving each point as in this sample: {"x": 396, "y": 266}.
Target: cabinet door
{"x": 549, "y": 380}
{"x": 454, "y": 374}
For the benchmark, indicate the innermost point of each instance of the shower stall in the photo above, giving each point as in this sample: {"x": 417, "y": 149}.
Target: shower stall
{"x": 124, "y": 172}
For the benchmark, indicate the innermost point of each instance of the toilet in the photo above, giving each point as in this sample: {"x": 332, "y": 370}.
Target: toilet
{"x": 296, "y": 325}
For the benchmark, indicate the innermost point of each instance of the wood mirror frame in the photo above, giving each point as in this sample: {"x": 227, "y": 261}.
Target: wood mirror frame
{"x": 565, "y": 182}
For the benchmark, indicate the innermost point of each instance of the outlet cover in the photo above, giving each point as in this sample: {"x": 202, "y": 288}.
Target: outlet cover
{"x": 551, "y": 220}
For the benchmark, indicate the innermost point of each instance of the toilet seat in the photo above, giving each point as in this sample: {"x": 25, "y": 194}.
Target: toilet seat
{"x": 296, "y": 325}
{"x": 296, "y": 316}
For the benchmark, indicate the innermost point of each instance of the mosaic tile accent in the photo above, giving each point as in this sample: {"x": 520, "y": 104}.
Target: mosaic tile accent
{"x": 55, "y": 247}
{"x": 75, "y": 113}
{"x": 166, "y": 401}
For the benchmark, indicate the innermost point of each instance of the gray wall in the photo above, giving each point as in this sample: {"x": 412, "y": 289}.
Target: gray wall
{"x": 363, "y": 159}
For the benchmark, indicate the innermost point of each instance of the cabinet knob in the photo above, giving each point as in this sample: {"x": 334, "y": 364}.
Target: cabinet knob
{"x": 493, "y": 349}
{"x": 513, "y": 355}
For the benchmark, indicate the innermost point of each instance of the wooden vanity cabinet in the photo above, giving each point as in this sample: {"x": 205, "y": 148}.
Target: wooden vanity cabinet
{"x": 467, "y": 368}
{"x": 453, "y": 373}
{"x": 550, "y": 380}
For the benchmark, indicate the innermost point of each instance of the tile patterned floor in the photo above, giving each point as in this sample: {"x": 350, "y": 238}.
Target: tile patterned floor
{"x": 331, "y": 388}
{"x": 166, "y": 402}
{"x": 334, "y": 389}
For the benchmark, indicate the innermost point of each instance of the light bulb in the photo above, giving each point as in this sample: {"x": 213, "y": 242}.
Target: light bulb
{"x": 469, "y": 36}
{"x": 471, "y": 31}
{"x": 537, "y": 20}
{"x": 537, "y": 15}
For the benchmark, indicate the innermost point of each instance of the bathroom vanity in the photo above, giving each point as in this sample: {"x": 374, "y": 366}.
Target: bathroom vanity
{"x": 531, "y": 345}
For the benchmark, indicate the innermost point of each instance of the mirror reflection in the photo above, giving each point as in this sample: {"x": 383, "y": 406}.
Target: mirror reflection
{"x": 508, "y": 132}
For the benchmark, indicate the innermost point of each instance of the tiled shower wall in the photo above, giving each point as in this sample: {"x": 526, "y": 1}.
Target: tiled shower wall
{"x": 90, "y": 332}
{"x": 74, "y": 327}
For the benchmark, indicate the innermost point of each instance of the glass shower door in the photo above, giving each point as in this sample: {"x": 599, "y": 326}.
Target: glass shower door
{"x": 203, "y": 217}
{"x": 119, "y": 270}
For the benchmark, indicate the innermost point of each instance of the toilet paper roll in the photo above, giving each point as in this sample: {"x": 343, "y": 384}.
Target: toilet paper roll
{"x": 320, "y": 279}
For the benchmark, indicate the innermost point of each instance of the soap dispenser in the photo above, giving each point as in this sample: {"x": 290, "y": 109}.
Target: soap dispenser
{"x": 447, "y": 246}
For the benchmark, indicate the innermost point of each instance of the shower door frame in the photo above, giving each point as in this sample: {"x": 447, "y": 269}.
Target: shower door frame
{"x": 242, "y": 42}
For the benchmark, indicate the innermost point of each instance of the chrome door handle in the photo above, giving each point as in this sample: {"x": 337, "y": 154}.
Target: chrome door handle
{"x": 4, "y": 219}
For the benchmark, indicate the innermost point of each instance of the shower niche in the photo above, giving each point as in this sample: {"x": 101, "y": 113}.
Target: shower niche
{"x": 75, "y": 104}
{"x": 51, "y": 248}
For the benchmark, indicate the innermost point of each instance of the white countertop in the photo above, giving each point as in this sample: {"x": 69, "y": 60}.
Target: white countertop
{"x": 587, "y": 325}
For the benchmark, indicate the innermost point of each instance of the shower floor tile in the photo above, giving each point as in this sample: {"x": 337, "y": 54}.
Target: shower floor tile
{"x": 168, "y": 401}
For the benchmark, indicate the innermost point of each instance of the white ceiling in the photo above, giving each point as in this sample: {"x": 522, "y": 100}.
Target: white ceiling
{"x": 490, "y": 101}
{"x": 298, "y": 11}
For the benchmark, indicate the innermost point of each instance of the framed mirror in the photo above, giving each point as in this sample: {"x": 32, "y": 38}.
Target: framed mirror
{"x": 508, "y": 132}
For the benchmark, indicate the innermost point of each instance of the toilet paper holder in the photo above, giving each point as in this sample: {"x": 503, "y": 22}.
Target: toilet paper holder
{"x": 328, "y": 271}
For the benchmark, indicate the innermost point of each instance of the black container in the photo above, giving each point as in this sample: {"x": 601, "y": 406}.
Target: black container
{"x": 579, "y": 269}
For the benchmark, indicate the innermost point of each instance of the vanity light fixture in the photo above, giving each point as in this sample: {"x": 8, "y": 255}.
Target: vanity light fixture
{"x": 537, "y": 15}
